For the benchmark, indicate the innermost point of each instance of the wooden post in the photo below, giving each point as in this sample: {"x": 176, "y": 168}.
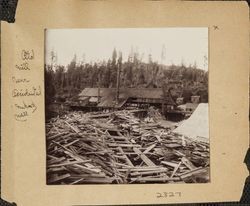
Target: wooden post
{"x": 118, "y": 84}
{"x": 98, "y": 101}
{"x": 118, "y": 77}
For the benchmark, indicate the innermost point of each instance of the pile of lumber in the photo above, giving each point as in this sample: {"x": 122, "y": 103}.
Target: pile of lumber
{"x": 119, "y": 148}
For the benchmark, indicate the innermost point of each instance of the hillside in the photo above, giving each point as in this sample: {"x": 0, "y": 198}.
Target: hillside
{"x": 62, "y": 82}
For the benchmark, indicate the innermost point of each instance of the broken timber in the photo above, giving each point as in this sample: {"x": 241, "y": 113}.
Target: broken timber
{"x": 119, "y": 148}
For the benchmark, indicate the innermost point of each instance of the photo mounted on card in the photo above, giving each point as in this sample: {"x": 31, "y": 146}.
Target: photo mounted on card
{"x": 124, "y": 103}
{"x": 127, "y": 106}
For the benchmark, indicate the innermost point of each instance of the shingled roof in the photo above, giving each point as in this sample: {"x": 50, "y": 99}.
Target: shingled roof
{"x": 150, "y": 93}
{"x": 107, "y": 95}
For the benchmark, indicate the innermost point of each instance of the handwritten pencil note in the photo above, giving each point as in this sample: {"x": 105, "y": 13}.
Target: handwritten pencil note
{"x": 24, "y": 92}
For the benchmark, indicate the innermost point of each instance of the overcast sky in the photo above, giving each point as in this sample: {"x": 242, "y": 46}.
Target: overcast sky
{"x": 187, "y": 45}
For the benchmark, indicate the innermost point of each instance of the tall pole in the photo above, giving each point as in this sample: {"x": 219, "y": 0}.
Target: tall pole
{"x": 118, "y": 83}
{"x": 118, "y": 77}
{"x": 163, "y": 54}
{"x": 99, "y": 88}
{"x": 53, "y": 59}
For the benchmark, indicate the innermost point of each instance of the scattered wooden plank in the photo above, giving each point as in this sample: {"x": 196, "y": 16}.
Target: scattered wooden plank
{"x": 148, "y": 149}
{"x": 56, "y": 178}
{"x": 193, "y": 172}
{"x": 86, "y": 169}
{"x": 121, "y": 148}
{"x": 74, "y": 128}
{"x": 66, "y": 149}
{"x": 126, "y": 157}
{"x": 71, "y": 143}
{"x": 155, "y": 179}
{"x": 143, "y": 157}
{"x": 175, "y": 169}
{"x": 148, "y": 172}
{"x": 55, "y": 160}
{"x": 76, "y": 181}
{"x": 101, "y": 175}
{"x": 98, "y": 180}
{"x": 179, "y": 153}
{"x": 57, "y": 169}
{"x": 123, "y": 145}
{"x": 173, "y": 145}
{"x": 171, "y": 164}
{"x": 56, "y": 135}
{"x": 188, "y": 164}
{"x": 101, "y": 115}
{"x": 69, "y": 163}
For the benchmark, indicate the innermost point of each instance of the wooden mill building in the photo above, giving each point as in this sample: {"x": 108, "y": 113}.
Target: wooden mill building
{"x": 109, "y": 98}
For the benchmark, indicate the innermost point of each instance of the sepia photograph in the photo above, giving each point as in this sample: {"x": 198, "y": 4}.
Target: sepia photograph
{"x": 127, "y": 106}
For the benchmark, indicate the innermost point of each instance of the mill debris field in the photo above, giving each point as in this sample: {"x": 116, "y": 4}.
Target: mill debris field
{"x": 121, "y": 147}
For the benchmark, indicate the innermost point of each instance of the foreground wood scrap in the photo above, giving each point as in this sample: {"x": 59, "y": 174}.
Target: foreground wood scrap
{"x": 119, "y": 148}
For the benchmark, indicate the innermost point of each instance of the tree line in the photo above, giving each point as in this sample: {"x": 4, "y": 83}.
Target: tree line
{"x": 65, "y": 82}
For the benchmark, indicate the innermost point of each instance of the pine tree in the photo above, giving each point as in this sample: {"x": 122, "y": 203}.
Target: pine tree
{"x": 114, "y": 56}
